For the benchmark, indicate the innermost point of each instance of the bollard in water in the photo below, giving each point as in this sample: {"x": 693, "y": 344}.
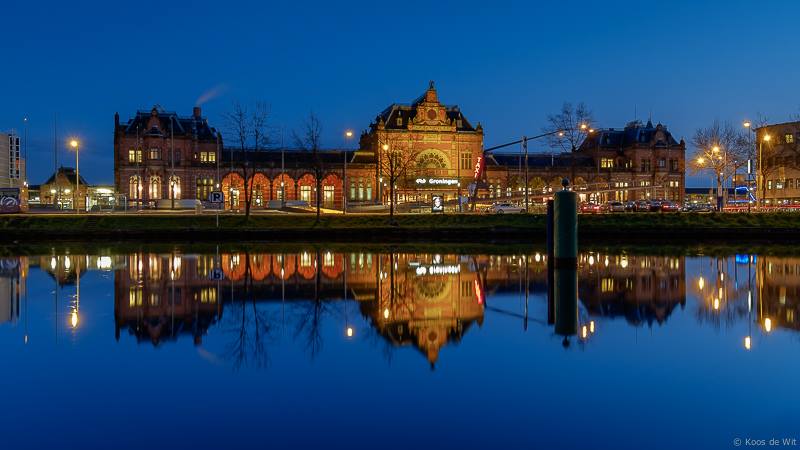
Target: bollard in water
{"x": 565, "y": 303}
{"x": 550, "y": 258}
{"x": 565, "y": 228}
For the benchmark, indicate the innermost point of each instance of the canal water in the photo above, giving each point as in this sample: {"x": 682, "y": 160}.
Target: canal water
{"x": 341, "y": 347}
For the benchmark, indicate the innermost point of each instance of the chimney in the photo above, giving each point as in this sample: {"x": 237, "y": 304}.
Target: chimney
{"x": 196, "y": 112}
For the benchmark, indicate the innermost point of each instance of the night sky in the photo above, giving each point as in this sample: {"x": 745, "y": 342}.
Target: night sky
{"x": 506, "y": 64}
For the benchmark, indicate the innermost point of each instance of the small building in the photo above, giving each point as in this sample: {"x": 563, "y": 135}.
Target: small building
{"x": 59, "y": 190}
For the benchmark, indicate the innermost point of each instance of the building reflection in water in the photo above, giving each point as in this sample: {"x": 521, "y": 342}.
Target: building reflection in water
{"x": 420, "y": 300}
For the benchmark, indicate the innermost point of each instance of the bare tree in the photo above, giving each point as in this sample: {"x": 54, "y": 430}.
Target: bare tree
{"x": 259, "y": 118}
{"x": 721, "y": 148}
{"x": 310, "y": 139}
{"x": 573, "y": 123}
{"x": 396, "y": 164}
{"x": 245, "y": 124}
{"x": 238, "y": 123}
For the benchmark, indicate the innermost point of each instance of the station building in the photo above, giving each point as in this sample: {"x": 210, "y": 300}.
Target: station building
{"x": 424, "y": 148}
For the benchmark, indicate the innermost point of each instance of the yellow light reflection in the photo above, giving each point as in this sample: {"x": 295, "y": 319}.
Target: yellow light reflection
{"x": 74, "y": 319}
{"x": 591, "y": 326}
{"x": 701, "y": 283}
{"x": 584, "y": 332}
{"x": 386, "y": 313}
{"x": 350, "y": 332}
{"x": 767, "y": 324}
{"x": 747, "y": 342}
{"x": 716, "y": 303}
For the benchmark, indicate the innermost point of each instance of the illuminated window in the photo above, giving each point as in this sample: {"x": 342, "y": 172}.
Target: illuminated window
{"x": 607, "y": 163}
{"x": 135, "y": 296}
{"x": 155, "y": 153}
{"x": 327, "y": 196}
{"x": 305, "y": 259}
{"x": 204, "y": 187}
{"x": 305, "y": 193}
{"x": 789, "y": 138}
{"x": 134, "y": 155}
{"x": 466, "y": 161}
{"x": 327, "y": 260}
{"x": 607, "y": 285}
{"x": 208, "y": 157}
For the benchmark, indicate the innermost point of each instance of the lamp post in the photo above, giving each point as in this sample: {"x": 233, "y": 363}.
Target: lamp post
{"x": 747, "y": 124}
{"x": 347, "y": 136}
{"x": 74, "y": 144}
{"x": 385, "y": 148}
{"x": 766, "y": 138}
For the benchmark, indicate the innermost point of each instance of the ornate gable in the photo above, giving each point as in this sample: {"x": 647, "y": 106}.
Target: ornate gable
{"x": 430, "y": 114}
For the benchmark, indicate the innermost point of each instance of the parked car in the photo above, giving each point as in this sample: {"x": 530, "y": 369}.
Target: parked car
{"x": 614, "y": 207}
{"x": 590, "y": 208}
{"x": 630, "y": 205}
{"x": 699, "y": 207}
{"x": 669, "y": 207}
{"x": 505, "y": 208}
{"x": 642, "y": 206}
{"x": 655, "y": 205}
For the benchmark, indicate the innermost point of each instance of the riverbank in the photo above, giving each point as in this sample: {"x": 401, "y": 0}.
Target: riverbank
{"x": 665, "y": 228}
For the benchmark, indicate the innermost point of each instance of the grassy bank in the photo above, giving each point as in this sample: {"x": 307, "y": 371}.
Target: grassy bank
{"x": 375, "y": 228}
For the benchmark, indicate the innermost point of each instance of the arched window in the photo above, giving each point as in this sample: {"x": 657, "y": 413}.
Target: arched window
{"x": 134, "y": 186}
{"x": 154, "y": 190}
{"x": 175, "y": 187}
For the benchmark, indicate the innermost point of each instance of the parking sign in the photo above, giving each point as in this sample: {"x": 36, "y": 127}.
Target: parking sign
{"x": 216, "y": 274}
{"x": 216, "y": 197}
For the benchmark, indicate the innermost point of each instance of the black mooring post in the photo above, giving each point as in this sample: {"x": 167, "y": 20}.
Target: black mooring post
{"x": 550, "y": 258}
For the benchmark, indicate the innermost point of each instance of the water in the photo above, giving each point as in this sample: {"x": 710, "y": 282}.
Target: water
{"x": 123, "y": 349}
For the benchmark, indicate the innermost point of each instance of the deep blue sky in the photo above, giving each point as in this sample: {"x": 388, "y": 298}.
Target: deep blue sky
{"x": 506, "y": 64}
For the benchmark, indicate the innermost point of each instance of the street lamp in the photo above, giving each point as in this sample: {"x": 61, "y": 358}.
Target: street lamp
{"x": 74, "y": 144}
{"x": 348, "y": 134}
{"x": 766, "y": 138}
{"x": 747, "y": 124}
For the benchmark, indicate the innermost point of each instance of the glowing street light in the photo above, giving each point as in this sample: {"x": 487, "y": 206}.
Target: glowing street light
{"x": 349, "y": 332}
{"x": 767, "y": 324}
{"x": 747, "y": 342}
{"x": 74, "y": 144}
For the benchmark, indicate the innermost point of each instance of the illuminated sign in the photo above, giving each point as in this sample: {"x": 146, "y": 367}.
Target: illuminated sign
{"x": 437, "y": 181}
{"x": 445, "y": 269}
{"x": 437, "y": 204}
{"x": 478, "y": 291}
{"x": 479, "y": 167}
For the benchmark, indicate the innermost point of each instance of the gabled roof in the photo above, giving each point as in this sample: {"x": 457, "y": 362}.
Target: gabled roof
{"x": 69, "y": 173}
{"x": 634, "y": 134}
{"x": 405, "y": 112}
{"x": 181, "y": 126}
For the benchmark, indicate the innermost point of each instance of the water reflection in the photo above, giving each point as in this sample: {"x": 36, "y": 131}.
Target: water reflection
{"x": 421, "y": 300}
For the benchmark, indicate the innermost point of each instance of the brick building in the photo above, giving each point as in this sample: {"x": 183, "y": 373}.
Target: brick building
{"x": 640, "y": 161}
{"x": 778, "y": 163}
{"x": 161, "y": 155}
